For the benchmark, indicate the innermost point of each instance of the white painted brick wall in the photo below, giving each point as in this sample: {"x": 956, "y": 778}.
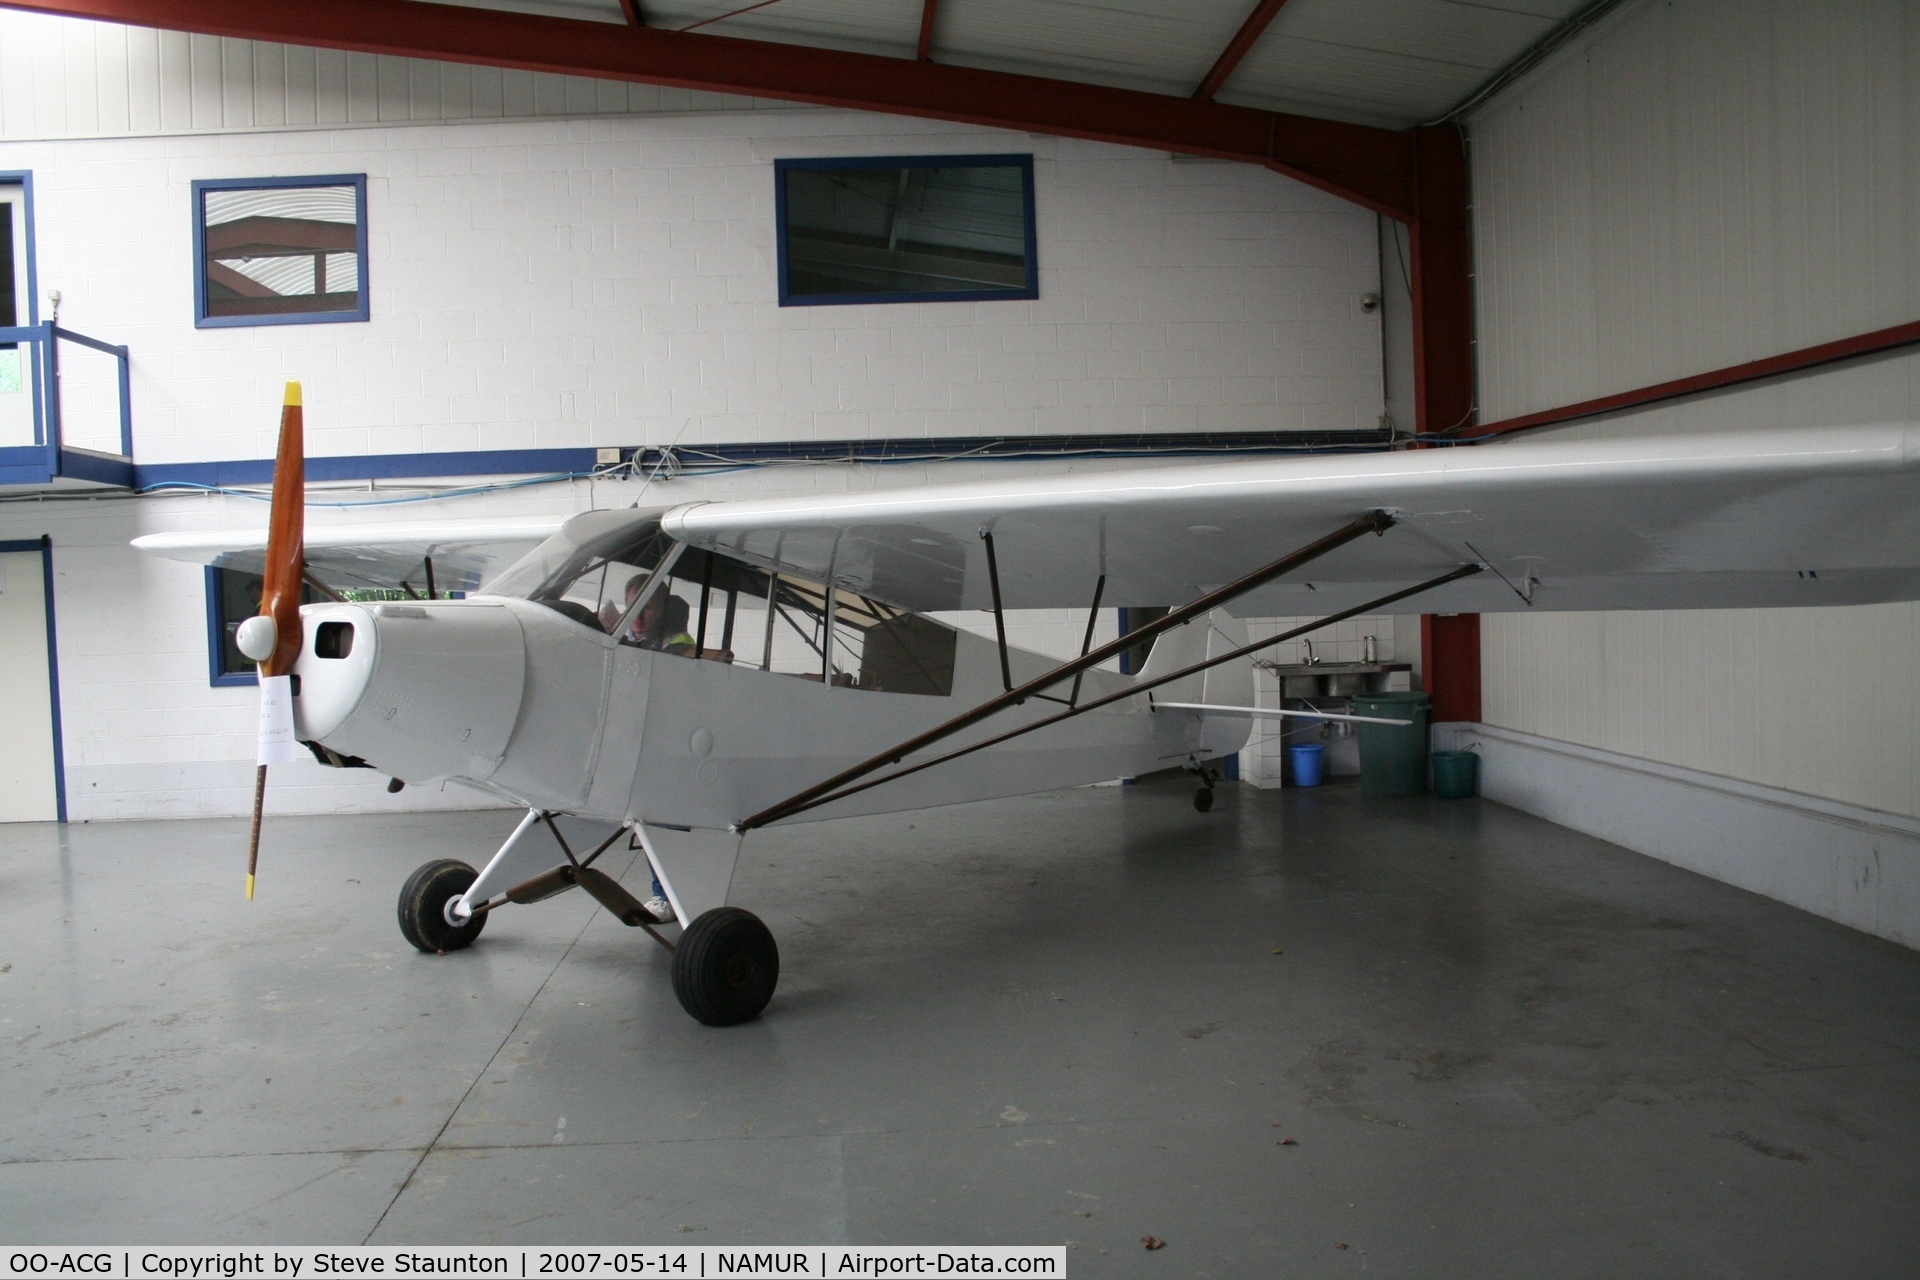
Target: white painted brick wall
{"x": 611, "y": 281}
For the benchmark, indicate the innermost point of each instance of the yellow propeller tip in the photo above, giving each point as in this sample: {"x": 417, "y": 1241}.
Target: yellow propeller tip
{"x": 249, "y": 888}
{"x": 293, "y": 394}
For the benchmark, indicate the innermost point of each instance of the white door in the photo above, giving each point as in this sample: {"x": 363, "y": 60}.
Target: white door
{"x": 26, "y": 730}
{"x": 16, "y": 374}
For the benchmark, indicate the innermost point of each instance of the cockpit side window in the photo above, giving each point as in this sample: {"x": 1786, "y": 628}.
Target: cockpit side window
{"x": 693, "y": 611}
{"x": 615, "y": 571}
{"x": 721, "y": 609}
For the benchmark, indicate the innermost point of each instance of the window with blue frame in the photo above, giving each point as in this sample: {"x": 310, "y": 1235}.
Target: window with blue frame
{"x": 280, "y": 250}
{"x": 10, "y": 379}
{"x": 233, "y": 596}
{"x": 905, "y": 229}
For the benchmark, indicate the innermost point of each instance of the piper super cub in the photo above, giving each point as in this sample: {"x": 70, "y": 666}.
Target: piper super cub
{"x": 682, "y": 676}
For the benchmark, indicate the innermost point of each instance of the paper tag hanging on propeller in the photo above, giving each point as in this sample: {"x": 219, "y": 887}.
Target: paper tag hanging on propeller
{"x": 278, "y": 743}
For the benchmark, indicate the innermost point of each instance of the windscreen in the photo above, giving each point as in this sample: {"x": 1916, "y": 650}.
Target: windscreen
{"x": 593, "y": 569}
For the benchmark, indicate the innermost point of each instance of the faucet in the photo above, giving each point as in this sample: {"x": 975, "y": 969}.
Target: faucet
{"x": 1311, "y": 660}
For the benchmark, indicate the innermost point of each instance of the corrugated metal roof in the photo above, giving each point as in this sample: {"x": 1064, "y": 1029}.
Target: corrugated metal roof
{"x": 1387, "y": 62}
{"x": 1129, "y": 44}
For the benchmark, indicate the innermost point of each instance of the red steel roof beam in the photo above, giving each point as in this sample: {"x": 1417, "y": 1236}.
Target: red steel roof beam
{"x": 927, "y": 10}
{"x": 1853, "y": 348}
{"x": 631, "y": 8}
{"x": 1236, "y": 49}
{"x": 731, "y": 13}
{"x": 1443, "y": 381}
{"x": 1370, "y": 166}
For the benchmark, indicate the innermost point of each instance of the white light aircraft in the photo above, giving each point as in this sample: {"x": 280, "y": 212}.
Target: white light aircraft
{"x": 681, "y": 676}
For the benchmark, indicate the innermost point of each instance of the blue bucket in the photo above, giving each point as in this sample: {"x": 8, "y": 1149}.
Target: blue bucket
{"x": 1307, "y": 761}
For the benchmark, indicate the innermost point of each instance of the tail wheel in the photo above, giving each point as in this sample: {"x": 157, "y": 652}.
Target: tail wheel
{"x": 423, "y": 907}
{"x": 1203, "y": 799}
{"x": 725, "y": 967}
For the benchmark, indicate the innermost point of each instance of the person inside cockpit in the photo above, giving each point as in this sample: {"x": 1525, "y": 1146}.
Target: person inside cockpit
{"x": 661, "y": 623}
{"x": 669, "y": 632}
{"x": 610, "y": 616}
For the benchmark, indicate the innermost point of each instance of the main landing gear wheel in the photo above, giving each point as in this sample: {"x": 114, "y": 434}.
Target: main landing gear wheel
{"x": 423, "y": 907}
{"x": 725, "y": 967}
{"x": 1208, "y": 775}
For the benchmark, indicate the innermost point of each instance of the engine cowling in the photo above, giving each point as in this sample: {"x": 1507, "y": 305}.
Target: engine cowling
{"x": 418, "y": 691}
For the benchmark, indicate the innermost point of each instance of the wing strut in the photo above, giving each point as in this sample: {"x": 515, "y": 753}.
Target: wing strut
{"x": 1000, "y": 627}
{"x": 1375, "y": 522}
{"x": 1086, "y": 641}
{"x": 322, "y": 588}
{"x": 999, "y": 617}
{"x": 804, "y": 801}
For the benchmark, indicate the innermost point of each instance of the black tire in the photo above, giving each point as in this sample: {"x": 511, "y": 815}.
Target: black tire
{"x": 725, "y": 967}
{"x": 423, "y": 907}
{"x": 1203, "y": 799}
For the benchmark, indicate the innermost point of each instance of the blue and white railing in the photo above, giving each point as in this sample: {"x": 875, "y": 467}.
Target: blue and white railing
{"x": 50, "y": 457}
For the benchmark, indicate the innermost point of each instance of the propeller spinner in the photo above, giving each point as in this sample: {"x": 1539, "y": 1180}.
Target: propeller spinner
{"x": 273, "y": 637}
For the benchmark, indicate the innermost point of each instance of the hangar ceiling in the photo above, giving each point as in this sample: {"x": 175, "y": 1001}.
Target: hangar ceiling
{"x": 1387, "y": 64}
{"x": 1394, "y": 63}
{"x": 1322, "y": 90}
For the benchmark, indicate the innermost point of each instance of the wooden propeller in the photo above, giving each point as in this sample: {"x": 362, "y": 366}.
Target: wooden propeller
{"x": 274, "y": 637}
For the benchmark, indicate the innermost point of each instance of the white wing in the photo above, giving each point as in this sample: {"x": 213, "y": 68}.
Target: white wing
{"x": 1808, "y": 517}
{"x": 465, "y": 552}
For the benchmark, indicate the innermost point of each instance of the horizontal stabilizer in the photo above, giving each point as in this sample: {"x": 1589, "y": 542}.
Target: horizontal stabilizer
{"x": 1271, "y": 712}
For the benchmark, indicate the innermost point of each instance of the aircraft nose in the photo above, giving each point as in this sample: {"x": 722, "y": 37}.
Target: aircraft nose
{"x": 417, "y": 691}
{"x": 335, "y": 667}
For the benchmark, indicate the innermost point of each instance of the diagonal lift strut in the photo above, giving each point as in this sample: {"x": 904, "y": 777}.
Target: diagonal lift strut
{"x": 1375, "y": 522}
{"x": 1464, "y": 571}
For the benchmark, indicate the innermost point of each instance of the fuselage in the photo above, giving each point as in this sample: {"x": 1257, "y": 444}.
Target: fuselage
{"x": 542, "y": 709}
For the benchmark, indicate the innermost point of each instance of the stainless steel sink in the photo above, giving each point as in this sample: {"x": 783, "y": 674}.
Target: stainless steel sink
{"x": 1333, "y": 679}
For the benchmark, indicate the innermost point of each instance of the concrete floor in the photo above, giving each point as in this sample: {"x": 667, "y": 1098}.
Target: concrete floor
{"x": 1502, "y": 1049}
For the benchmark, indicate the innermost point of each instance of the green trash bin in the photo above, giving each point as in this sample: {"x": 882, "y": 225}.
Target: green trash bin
{"x": 1393, "y": 757}
{"x": 1453, "y": 774}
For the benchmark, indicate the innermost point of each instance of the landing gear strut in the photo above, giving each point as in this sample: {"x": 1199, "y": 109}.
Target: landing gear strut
{"x": 725, "y": 964}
